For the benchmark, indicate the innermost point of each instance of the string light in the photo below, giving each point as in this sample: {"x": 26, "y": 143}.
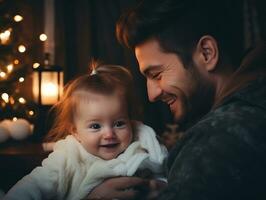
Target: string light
{"x": 21, "y": 48}
{"x": 4, "y": 36}
{"x": 11, "y": 100}
{"x": 21, "y": 79}
{"x": 9, "y": 68}
{"x": 5, "y": 97}
{"x": 18, "y": 18}
{"x": 35, "y": 65}
{"x": 2, "y": 74}
{"x": 43, "y": 37}
{"x": 16, "y": 61}
{"x": 31, "y": 113}
{"x": 21, "y": 100}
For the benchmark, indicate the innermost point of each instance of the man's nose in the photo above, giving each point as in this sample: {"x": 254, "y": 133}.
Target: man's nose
{"x": 154, "y": 90}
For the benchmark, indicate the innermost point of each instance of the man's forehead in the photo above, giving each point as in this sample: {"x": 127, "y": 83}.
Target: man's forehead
{"x": 147, "y": 55}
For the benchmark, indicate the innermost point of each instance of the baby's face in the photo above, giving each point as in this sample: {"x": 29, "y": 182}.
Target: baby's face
{"x": 102, "y": 125}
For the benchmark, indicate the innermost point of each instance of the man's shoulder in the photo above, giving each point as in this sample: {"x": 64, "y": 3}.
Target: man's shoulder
{"x": 252, "y": 95}
{"x": 238, "y": 119}
{"x": 232, "y": 124}
{"x": 245, "y": 108}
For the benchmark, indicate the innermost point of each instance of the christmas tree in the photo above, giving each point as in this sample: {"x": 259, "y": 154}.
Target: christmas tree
{"x": 14, "y": 64}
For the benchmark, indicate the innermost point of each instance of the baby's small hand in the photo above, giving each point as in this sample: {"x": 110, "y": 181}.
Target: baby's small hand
{"x": 155, "y": 187}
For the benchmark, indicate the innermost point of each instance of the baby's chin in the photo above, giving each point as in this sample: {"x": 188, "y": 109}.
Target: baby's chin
{"x": 112, "y": 153}
{"x": 111, "y": 156}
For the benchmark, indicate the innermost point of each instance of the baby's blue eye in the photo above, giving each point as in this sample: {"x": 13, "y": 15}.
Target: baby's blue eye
{"x": 95, "y": 126}
{"x": 120, "y": 124}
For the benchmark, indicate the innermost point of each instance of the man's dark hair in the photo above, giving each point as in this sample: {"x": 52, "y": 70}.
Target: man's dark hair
{"x": 179, "y": 24}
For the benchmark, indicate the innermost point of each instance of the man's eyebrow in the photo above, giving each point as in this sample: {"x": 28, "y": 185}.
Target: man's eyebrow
{"x": 149, "y": 68}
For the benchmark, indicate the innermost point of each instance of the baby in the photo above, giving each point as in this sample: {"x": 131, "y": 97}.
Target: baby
{"x": 96, "y": 137}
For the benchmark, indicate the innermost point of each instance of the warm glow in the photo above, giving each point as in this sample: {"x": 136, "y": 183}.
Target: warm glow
{"x": 21, "y": 100}
{"x": 11, "y": 100}
{"x": 5, "y": 97}
{"x": 10, "y": 68}
{"x": 46, "y": 88}
{"x": 2, "y": 74}
{"x": 43, "y": 37}
{"x": 15, "y": 119}
{"x": 49, "y": 90}
{"x": 36, "y": 65}
{"x": 21, "y": 79}
{"x": 18, "y": 18}
{"x": 31, "y": 112}
{"x": 16, "y": 61}
{"x": 4, "y": 36}
{"x": 21, "y": 48}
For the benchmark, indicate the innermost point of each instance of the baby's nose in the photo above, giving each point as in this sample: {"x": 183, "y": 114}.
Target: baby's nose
{"x": 109, "y": 133}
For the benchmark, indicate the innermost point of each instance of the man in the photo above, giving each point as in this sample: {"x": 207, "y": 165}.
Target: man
{"x": 186, "y": 50}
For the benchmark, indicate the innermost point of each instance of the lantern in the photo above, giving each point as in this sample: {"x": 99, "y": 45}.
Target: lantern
{"x": 47, "y": 84}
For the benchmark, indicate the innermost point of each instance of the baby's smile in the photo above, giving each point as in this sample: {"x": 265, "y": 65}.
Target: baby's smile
{"x": 110, "y": 145}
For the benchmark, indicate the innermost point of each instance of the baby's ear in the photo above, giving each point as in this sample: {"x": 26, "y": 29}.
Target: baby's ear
{"x": 73, "y": 132}
{"x": 72, "y": 129}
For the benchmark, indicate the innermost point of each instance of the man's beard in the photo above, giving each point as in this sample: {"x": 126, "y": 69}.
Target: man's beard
{"x": 200, "y": 102}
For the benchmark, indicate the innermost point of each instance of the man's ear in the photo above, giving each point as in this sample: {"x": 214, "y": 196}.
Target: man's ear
{"x": 207, "y": 53}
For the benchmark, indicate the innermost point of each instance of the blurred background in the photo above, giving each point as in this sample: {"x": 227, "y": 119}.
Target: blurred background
{"x": 60, "y": 33}
{"x": 46, "y": 43}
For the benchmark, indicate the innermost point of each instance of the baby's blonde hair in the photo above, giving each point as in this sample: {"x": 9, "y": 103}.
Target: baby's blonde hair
{"x": 105, "y": 80}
